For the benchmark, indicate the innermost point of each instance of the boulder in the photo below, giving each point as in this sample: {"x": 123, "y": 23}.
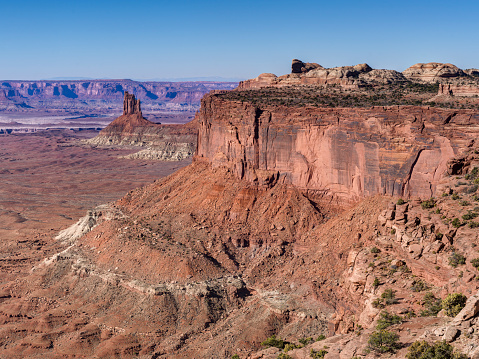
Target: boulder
{"x": 469, "y": 311}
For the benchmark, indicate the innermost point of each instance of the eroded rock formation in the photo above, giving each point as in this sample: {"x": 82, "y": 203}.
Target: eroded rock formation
{"x": 160, "y": 142}
{"x": 348, "y": 153}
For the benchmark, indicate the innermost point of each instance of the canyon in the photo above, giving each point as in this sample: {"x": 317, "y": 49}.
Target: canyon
{"x": 95, "y": 103}
{"x": 310, "y": 195}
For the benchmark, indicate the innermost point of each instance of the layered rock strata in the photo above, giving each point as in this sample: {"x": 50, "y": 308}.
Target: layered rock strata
{"x": 162, "y": 142}
{"x": 345, "y": 152}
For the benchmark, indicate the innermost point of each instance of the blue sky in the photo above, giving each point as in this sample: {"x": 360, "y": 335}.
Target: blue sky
{"x": 233, "y": 39}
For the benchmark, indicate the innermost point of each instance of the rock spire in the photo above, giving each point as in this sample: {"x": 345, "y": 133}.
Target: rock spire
{"x": 131, "y": 105}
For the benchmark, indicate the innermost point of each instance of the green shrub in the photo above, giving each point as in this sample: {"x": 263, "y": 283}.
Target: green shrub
{"x": 387, "y": 319}
{"x": 454, "y": 303}
{"x": 317, "y": 354}
{"x": 464, "y": 203}
{"x": 401, "y": 201}
{"x": 389, "y": 297}
{"x": 236, "y": 356}
{"x": 456, "y": 259}
{"x": 455, "y": 196}
{"x": 291, "y": 346}
{"x": 430, "y": 203}
{"x": 438, "y": 350}
{"x": 378, "y": 303}
{"x": 475, "y": 262}
{"x": 283, "y": 356}
{"x": 419, "y": 285}
{"x": 456, "y": 222}
{"x": 473, "y": 224}
{"x": 432, "y": 305}
{"x": 306, "y": 341}
{"x": 375, "y": 250}
{"x": 383, "y": 341}
{"x": 439, "y": 236}
{"x": 320, "y": 337}
{"x": 274, "y": 342}
{"x": 469, "y": 215}
{"x": 376, "y": 283}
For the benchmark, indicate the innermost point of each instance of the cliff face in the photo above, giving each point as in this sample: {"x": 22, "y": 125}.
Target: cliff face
{"x": 351, "y": 153}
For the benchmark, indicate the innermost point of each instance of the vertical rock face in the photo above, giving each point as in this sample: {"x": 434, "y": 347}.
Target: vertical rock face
{"x": 131, "y": 106}
{"x": 351, "y": 153}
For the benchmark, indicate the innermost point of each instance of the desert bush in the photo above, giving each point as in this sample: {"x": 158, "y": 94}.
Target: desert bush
{"x": 475, "y": 262}
{"x": 453, "y": 303}
{"x": 389, "y": 297}
{"x": 383, "y": 341}
{"x": 469, "y": 215}
{"x": 430, "y": 203}
{"x": 283, "y": 356}
{"x": 376, "y": 283}
{"x": 274, "y": 342}
{"x": 291, "y": 346}
{"x": 438, "y": 350}
{"x": 401, "y": 201}
{"x": 455, "y": 196}
{"x": 236, "y": 356}
{"x": 320, "y": 337}
{"x": 456, "y": 259}
{"x": 375, "y": 250}
{"x": 306, "y": 341}
{"x": 317, "y": 354}
{"x": 464, "y": 203}
{"x": 432, "y": 305}
{"x": 387, "y": 319}
{"x": 419, "y": 285}
{"x": 456, "y": 222}
{"x": 473, "y": 224}
{"x": 378, "y": 303}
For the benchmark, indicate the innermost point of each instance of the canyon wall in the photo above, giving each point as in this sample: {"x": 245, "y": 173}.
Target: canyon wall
{"x": 348, "y": 152}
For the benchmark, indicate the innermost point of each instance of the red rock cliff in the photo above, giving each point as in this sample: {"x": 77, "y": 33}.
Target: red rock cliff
{"x": 348, "y": 152}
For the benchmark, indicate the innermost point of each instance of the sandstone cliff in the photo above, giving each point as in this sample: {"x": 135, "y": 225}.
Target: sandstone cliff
{"x": 161, "y": 142}
{"x": 347, "y": 153}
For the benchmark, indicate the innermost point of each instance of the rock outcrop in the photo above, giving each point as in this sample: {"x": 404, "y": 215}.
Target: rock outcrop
{"x": 348, "y": 153}
{"x": 432, "y": 72}
{"x": 162, "y": 142}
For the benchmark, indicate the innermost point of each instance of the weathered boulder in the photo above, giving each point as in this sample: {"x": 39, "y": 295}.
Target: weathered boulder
{"x": 432, "y": 71}
{"x": 469, "y": 311}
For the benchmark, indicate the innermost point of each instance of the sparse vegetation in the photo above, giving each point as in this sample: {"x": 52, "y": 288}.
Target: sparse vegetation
{"x": 317, "y": 354}
{"x": 454, "y": 303}
{"x": 306, "y": 341}
{"x": 272, "y": 341}
{"x": 283, "y": 356}
{"x": 387, "y": 319}
{"x": 291, "y": 346}
{"x": 236, "y": 356}
{"x": 456, "y": 222}
{"x": 383, "y": 341}
{"x": 456, "y": 259}
{"x": 376, "y": 282}
{"x": 401, "y": 201}
{"x": 389, "y": 297}
{"x": 430, "y": 203}
{"x": 375, "y": 250}
{"x": 419, "y": 285}
{"x": 475, "y": 263}
{"x": 320, "y": 337}
{"x": 438, "y": 350}
{"x": 432, "y": 305}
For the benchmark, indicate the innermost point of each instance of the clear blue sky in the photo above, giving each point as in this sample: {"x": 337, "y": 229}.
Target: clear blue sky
{"x": 163, "y": 39}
